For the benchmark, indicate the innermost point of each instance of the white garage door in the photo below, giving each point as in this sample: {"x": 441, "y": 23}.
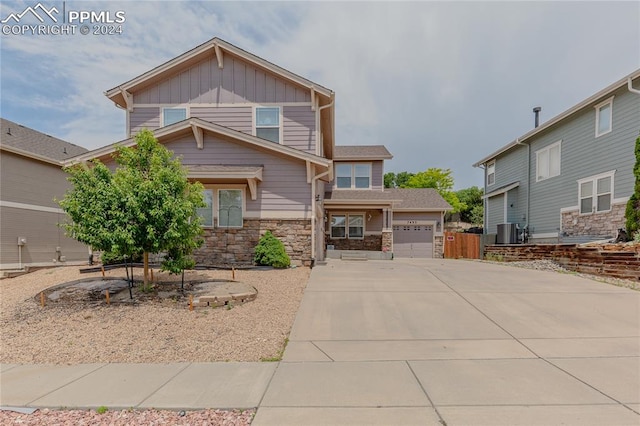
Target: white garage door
{"x": 414, "y": 241}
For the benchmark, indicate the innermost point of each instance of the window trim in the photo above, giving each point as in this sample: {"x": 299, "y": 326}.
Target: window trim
{"x": 280, "y": 122}
{"x": 489, "y": 165}
{"x": 162, "y": 108}
{"x": 346, "y": 225}
{"x": 547, "y": 149}
{"x": 607, "y": 102}
{"x": 594, "y": 194}
{"x": 353, "y": 175}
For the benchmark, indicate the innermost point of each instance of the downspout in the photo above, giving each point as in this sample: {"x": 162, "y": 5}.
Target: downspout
{"x": 631, "y": 88}
{"x": 314, "y": 181}
{"x": 526, "y": 224}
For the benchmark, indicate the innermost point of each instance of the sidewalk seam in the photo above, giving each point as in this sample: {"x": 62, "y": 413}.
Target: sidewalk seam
{"x": 28, "y": 404}
{"x": 441, "y": 419}
{"x": 163, "y": 384}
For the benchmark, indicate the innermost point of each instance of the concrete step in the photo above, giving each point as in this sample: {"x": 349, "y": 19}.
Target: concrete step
{"x": 12, "y": 273}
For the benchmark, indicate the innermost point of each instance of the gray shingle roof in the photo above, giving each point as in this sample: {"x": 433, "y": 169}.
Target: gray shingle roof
{"x": 18, "y": 136}
{"x": 356, "y": 152}
{"x": 409, "y": 198}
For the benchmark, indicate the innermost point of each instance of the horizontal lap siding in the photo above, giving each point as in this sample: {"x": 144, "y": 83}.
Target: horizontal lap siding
{"x": 237, "y": 82}
{"x": 144, "y": 118}
{"x": 31, "y": 182}
{"x": 299, "y": 128}
{"x": 495, "y": 213}
{"x": 284, "y": 185}
{"x": 416, "y": 216}
{"x": 237, "y": 118}
{"x": 584, "y": 155}
{"x": 43, "y": 236}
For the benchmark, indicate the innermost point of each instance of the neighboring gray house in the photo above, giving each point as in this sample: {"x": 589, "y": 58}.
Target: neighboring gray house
{"x": 31, "y": 177}
{"x": 570, "y": 178}
{"x": 261, "y": 140}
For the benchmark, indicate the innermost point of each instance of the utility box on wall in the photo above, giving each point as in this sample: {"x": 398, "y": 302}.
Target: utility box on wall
{"x": 22, "y": 241}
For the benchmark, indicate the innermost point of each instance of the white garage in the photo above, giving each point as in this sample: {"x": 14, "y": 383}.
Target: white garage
{"x": 413, "y": 241}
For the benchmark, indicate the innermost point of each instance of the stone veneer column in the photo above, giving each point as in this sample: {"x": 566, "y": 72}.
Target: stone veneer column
{"x": 438, "y": 249}
{"x": 387, "y": 241}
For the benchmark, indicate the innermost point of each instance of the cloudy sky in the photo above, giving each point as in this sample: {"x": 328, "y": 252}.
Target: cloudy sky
{"x": 441, "y": 84}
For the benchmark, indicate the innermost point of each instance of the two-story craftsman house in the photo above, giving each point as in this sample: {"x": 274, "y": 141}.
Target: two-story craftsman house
{"x": 261, "y": 140}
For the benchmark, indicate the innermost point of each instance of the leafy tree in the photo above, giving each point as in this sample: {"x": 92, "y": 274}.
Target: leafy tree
{"x": 392, "y": 180}
{"x": 474, "y": 207}
{"x": 439, "y": 179}
{"x": 146, "y": 206}
{"x": 632, "y": 212}
{"x": 270, "y": 251}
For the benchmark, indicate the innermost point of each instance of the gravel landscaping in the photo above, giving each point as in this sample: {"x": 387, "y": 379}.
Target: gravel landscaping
{"x": 146, "y": 332}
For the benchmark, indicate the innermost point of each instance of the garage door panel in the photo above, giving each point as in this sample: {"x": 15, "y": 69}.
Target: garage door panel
{"x": 414, "y": 241}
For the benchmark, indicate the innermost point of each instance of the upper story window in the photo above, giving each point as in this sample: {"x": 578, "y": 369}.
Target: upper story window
{"x": 491, "y": 173}
{"x": 268, "y": 123}
{"x": 353, "y": 175}
{"x": 595, "y": 193}
{"x": 172, "y": 115}
{"x": 604, "y": 117}
{"x": 548, "y": 162}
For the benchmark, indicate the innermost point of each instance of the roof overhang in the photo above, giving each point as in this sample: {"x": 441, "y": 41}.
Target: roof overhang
{"x": 501, "y": 190}
{"x": 33, "y": 156}
{"x": 252, "y": 175}
{"x": 589, "y": 102}
{"x": 197, "y": 127}
{"x": 121, "y": 94}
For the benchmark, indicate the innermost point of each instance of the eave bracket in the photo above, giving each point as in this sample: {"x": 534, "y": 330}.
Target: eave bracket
{"x": 198, "y": 134}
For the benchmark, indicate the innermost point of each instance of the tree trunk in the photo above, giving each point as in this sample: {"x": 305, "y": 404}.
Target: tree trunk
{"x": 146, "y": 268}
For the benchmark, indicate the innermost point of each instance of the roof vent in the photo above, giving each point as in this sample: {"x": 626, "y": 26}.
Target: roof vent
{"x": 536, "y": 111}
{"x": 64, "y": 150}
{"x": 9, "y": 131}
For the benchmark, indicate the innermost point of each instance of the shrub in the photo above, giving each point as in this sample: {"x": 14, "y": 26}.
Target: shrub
{"x": 270, "y": 251}
{"x": 111, "y": 258}
{"x": 632, "y": 212}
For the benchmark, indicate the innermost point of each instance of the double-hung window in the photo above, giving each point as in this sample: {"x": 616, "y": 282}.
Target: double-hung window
{"x": 491, "y": 173}
{"x": 548, "y": 162}
{"x": 172, "y": 115}
{"x": 353, "y": 175}
{"x": 268, "y": 123}
{"x": 595, "y": 193}
{"x": 604, "y": 117}
{"x": 347, "y": 226}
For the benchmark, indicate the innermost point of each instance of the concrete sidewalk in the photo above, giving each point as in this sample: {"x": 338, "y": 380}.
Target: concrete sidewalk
{"x": 401, "y": 343}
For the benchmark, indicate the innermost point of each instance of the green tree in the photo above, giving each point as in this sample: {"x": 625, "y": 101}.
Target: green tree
{"x": 439, "y": 179}
{"x": 392, "y": 180}
{"x": 146, "y": 206}
{"x": 473, "y": 211}
{"x": 632, "y": 212}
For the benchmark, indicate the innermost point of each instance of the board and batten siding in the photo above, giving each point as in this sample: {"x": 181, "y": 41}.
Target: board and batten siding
{"x": 583, "y": 155}
{"x": 284, "y": 186}
{"x": 237, "y": 82}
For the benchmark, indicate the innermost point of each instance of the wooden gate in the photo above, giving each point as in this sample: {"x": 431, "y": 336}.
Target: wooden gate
{"x": 459, "y": 245}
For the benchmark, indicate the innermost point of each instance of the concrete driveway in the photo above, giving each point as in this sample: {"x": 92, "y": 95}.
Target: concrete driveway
{"x": 454, "y": 342}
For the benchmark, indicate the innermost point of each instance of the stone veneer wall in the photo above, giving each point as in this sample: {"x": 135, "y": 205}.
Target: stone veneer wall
{"x": 594, "y": 224}
{"x": 587, "y": 259}
{"x": 223, "y": 245}
{"x": 387, "y": 241}
{"x": 438, "y": 247}
{"x": 369, "y": 243}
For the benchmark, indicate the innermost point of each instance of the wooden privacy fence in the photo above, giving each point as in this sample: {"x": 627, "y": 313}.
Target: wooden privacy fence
{"x": 458, "y": 245}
